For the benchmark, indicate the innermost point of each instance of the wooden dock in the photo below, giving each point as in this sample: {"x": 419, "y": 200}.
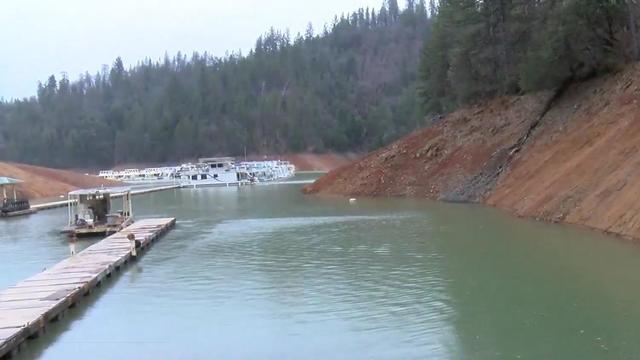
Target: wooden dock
{"x": 27, "y": 308}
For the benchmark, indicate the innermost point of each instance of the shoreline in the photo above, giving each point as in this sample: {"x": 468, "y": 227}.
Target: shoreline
{"x": 508, "y": 212}
{"x": 567, "y": 157}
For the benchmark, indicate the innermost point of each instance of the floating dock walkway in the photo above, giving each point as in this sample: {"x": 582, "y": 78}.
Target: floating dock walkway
{"x": 27, "y": 308}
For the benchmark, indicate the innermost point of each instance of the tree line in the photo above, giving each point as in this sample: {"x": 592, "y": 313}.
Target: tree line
{"x": 352, "y": 86}
{"x": 484, "y": 48}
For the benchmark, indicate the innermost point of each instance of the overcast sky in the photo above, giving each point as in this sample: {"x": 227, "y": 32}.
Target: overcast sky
{"x": 43, "y": 37}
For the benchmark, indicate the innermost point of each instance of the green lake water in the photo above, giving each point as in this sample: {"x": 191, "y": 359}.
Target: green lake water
{"x": 265, "y": 272}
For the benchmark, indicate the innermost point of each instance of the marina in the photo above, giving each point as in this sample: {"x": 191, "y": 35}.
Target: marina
{"x": 207, "y": 172}
{"x": 27, "y": 308}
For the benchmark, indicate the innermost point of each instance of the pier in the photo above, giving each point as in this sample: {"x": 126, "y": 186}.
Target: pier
{"x": 27, "y": 307}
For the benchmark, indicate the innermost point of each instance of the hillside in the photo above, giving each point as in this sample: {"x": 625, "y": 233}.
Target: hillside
{"x": 578, "y": 164}
{"x": 40, "y": 182}
{"x": 454, "y": 159}
{"x": 350, "y": 87}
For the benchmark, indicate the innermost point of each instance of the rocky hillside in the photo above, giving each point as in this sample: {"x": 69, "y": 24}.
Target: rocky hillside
{"x": 456, "y": 159}
{"x": 568, "y": 158}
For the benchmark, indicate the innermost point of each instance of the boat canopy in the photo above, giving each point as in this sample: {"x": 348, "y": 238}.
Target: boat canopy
{"x": 8, "y": 181}
{"x": 216, "y": 160}
{"x": 100, "y": 191}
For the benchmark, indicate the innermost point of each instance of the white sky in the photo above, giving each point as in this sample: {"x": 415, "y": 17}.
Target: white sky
{"x": 43, "y": 37}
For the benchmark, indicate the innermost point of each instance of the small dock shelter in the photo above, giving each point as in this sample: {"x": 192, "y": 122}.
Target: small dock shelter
{"x": 12, "y": 205}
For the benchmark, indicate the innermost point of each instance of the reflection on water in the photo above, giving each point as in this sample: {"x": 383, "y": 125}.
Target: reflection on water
{"x": 265, "y": 272}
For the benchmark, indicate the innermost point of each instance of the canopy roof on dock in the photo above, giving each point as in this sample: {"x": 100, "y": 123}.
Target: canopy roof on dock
{"x": 8, "y": 181}
{"x": 101, "y": 191}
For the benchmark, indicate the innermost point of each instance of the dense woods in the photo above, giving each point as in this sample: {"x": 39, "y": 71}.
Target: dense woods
{"x": 348, "y": 87}
{"x": 359, "y": 83}
{"x": 484, "y": 48}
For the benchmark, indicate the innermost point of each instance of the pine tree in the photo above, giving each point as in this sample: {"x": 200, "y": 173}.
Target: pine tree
{"x": 410, "y": 6}
{"x": 433, "y": 8}
{"x": 394, "y": 10}
{"x": 421, "y": 10}
{"x": 309, "y": 34}
{"x": 383, "y": 16}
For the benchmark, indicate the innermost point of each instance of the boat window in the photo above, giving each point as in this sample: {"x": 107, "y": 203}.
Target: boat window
{"x": 194, "y": 177}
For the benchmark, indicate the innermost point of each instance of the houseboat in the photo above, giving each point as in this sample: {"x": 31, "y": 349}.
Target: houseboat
{"x": 212, "y": 171}
{"x": 264, "y": 171}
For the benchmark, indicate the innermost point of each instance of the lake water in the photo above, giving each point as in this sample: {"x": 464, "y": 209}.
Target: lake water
{"x": 265, "y": 272}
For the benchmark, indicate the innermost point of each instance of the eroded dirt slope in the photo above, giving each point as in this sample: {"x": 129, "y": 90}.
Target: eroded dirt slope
{"x": 41, "y": 182}
{"x": 583, "y": 164}
{"x": 455, "y": 159}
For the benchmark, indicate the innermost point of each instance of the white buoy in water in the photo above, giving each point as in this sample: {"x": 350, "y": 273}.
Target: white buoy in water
{"x": 352, "y": 201}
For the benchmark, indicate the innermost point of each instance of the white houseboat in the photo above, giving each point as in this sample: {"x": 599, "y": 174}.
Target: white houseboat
{"x": 210, "y": 172}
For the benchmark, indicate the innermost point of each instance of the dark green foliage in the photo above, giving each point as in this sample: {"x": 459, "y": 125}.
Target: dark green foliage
{"x": 485, "y": 48}
{"x": 352, "y": 88}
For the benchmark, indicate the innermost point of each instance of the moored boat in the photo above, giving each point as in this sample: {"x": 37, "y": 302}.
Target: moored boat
{"x": 212, "y": 171}
{"x": 91, "y": 214}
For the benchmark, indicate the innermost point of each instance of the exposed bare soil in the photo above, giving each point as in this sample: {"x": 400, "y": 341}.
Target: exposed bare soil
{"x": 455, "y": 159}
{"x": 40, "y": 182}
{"x": 583, "y": 165}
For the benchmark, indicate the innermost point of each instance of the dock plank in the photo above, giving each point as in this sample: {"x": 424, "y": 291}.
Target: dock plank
{"x": 7, "y": 333}
{"x": 26, "y": 307}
